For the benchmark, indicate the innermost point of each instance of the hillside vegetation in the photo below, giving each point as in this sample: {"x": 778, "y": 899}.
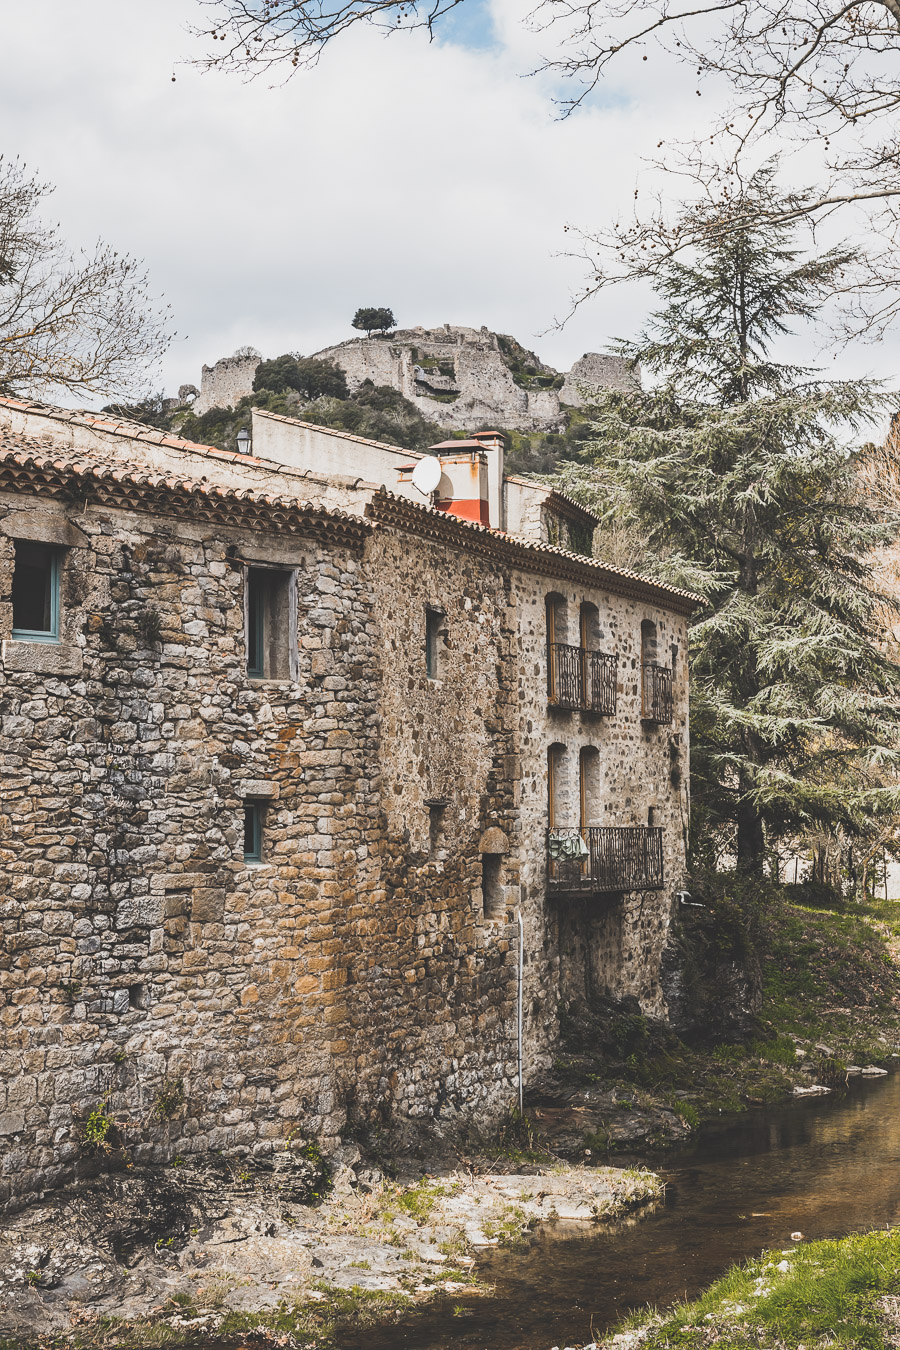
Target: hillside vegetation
{"x": 316, "y": 391}
{"x": 766, "y": 994}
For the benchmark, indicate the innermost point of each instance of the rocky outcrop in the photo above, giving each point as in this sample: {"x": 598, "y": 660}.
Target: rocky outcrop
{"x": 459, "y": 377}
{"x": 463, "y": 377}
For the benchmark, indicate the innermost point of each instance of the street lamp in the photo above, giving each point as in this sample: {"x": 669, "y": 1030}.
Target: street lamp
{"x": 243, "y": 441}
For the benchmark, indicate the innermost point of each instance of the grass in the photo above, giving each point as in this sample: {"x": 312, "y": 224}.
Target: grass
{"x": 511, "y": 1227}
{"x": 414, "y": 1202}
{"x": 831, "y": 987}
{"x": 842, "y": 1295}
{"x": 311, "y": 1323}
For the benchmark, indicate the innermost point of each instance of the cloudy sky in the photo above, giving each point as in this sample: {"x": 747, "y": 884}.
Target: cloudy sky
{"x": 434, "y": 178}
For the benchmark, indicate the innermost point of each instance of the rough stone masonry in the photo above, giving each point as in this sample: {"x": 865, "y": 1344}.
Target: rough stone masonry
{"x": 353, "y": 962}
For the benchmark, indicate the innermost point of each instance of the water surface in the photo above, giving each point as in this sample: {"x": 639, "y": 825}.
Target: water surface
{"x": 818, "y": 1166}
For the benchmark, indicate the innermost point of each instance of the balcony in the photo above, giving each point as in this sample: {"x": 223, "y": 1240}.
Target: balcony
{"x": 602, "y": 859}
{"x": 656, "y": 693}
{"x": 583, "y": 679}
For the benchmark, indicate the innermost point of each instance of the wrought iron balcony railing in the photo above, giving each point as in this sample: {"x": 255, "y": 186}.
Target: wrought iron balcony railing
{"x": 600, "y": 682}
{"x": 578, "y": 678}
{"x": 656, "y": 693}
{"x": 600, "y": 859}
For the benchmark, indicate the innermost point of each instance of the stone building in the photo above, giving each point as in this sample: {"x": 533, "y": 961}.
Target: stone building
{"x": 457, "y": 377}
{"x": 286, "y": 751}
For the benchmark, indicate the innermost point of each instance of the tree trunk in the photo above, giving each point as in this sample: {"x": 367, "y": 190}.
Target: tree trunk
{"x": 751, "y": 842}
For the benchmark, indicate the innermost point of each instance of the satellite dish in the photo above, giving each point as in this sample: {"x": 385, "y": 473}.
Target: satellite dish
{"x": 427, "y": 474}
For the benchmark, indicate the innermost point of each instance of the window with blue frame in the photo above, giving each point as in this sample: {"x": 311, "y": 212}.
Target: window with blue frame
{"x": 253, "y": 832}
{"x": 271, "y": 629}
{"x": 35, "y": 592}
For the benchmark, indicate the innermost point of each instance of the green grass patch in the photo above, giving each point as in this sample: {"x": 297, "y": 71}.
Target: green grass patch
{"x": 837, "y": 1294}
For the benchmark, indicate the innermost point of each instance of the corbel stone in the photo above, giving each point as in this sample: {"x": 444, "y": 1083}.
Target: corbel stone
{"x": 43, "y": 527}
{"x": 42, "y": 658}
{"x": 258, "y": 789}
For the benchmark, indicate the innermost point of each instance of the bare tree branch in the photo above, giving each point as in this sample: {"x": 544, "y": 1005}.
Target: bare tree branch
{"x": 75, "y": 323}
{"x": 824, "y": 72}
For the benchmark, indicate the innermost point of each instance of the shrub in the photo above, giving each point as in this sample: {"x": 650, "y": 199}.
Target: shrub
{"x": 99, "y": 1132}
{"x": 304, "y": 375}
{"x": 170, "y": 1099}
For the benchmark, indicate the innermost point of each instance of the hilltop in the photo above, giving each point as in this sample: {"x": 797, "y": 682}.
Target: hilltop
{"x": 411, "y": 387}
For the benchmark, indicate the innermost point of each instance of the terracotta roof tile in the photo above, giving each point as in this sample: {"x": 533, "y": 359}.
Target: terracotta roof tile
{"x": 392, "y": 509}
{"x": 29, "y": 463}
{"x": 135, "y": 431}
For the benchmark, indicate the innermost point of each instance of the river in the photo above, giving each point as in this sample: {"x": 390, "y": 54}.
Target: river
{"x": 818, "y": 1166}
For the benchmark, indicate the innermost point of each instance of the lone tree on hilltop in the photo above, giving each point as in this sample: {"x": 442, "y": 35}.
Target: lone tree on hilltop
{"x": 374, "y": 320}
{"x": 738, "y": 474}
{"x": 69, "y": 323}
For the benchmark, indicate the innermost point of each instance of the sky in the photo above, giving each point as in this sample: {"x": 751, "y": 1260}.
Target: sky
{"x": 434, "y": 178}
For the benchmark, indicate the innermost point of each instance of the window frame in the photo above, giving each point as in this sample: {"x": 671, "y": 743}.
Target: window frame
{"x": 253, "y": 815}
{"x": 256, "y": 623}
{"x": 270, "y": 595}
{"x": 50, "y": 634}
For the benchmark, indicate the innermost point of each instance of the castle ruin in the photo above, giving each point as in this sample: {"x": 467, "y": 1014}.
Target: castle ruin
{"x": 457, "y": 377}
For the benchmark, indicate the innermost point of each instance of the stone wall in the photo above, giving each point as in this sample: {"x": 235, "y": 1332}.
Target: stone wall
{"x": 227, "y": 382}
{"x": 350, "y": 974}
{"x": 485, "y": 390}
{"x": 595, "y": 371}
{"x": 610, "y": 945}
{"x": 142, "y": 951}
{"x": 361, "y": 973}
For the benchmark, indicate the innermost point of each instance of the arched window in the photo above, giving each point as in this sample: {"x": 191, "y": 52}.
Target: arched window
{"x": 589, "y": 786}
{"x": 656, "y": 680}
{"x": 648, "y": 643}
{"x": 564, "y": 671}
{"x": 558, "y": 804}
{"x": 589, "y": 624}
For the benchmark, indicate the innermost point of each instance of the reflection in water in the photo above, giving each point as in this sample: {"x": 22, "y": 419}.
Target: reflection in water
{"x": 825, "y": 1168}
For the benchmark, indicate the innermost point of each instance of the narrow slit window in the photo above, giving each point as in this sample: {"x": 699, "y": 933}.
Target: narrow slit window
{"x": 436, "y": 812}
{"x": 253, "y": 832}
{"x": 492, "y": 889}
{"x": 434, "y": 644}
{"x": 270, "y": 623}
{"x": 35, "y": 592}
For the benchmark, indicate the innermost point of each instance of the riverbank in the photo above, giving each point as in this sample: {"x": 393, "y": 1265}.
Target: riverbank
{"x": 818, "y": 1295}
{"x": 799, "y": 1000}
{"x": 286, "y": 1253}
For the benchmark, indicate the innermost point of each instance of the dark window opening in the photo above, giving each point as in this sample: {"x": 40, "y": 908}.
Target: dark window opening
{"x": 493, "y": 891}
{"x": 136, "y": 996}
{"x": 253, "y": 832}
{"x": 436, "y": 828}
{"x": 434, "y": 644}
{"x": 271, "y": 635}
{"x": 35, "y": 592}
{"x": 651, "y": 816}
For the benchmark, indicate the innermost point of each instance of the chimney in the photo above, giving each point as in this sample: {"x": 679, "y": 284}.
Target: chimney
{"x": 494, "y": 444}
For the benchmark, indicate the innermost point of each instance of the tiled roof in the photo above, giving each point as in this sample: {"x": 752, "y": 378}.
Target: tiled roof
{"x": 529, "y": 554}
{"x": 121, "y": 426}
{"x": 29, "y": 464}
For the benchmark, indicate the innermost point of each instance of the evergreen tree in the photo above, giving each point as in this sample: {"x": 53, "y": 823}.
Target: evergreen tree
{"x": 736, "y": 473}
{"x": 373, "y": 319}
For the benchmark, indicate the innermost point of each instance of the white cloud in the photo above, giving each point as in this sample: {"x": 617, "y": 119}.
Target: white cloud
{"x": 428, "y": 177}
